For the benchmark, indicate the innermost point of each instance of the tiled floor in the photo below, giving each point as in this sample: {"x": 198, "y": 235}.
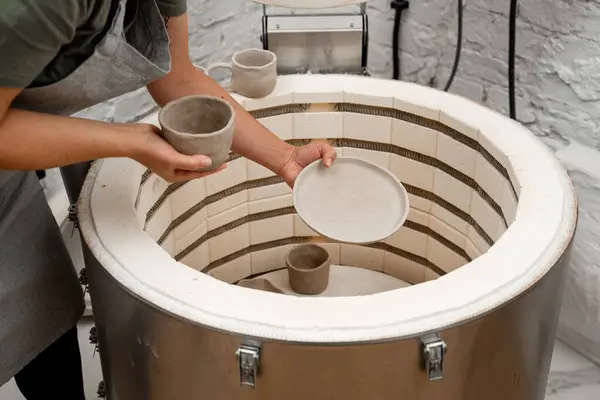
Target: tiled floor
{"x": 572, "y": 377}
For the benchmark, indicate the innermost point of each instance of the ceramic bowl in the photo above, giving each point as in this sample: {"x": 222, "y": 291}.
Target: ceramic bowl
{"x": 199, "y": 124}
{"x": 308, "y": 268}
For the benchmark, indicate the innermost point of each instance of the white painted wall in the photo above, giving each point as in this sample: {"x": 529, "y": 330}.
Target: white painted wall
{"x": 558, "y": 72}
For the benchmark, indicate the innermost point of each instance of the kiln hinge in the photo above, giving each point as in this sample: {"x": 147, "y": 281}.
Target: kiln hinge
{"x": 73, "y": 217}
{"x": 248, "y": 356}
{"x": 433, "y": 350}
{"x": 101, "y": 392}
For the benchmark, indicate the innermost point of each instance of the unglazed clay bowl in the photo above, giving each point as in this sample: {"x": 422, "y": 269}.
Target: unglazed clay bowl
{"x": 199, "y": 125}
{"x": 353, "y": 201}
{"x": 308, "y": 268}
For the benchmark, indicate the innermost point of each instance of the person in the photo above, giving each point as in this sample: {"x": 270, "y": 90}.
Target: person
{"x": 57, "y": 58}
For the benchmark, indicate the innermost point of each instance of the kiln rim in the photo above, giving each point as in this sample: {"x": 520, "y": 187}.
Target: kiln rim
{"x": 545, "y": 223}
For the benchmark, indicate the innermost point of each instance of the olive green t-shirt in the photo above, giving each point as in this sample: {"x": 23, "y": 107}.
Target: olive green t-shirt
{"x": 43, "y": 41}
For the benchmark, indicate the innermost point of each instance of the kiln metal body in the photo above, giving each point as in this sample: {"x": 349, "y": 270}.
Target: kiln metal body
{"x": 149, "y": 354}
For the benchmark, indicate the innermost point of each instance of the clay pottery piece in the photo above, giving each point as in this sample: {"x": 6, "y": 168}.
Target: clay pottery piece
{"x": 253, "y": 72}
{"x": 199, "y": 125}
{"x": 259, "y": 284}
{"x": 353, "y": 201}
{"x": 308, "y": 268}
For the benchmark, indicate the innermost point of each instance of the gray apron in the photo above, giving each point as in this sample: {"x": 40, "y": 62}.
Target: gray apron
{"x": 40, "y": 296}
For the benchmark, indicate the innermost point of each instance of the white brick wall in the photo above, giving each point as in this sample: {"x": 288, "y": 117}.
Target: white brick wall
{"x": 558, "y": 71}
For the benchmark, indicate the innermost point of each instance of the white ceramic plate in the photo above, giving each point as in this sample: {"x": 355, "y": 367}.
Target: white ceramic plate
{"x": 353, "y": 201}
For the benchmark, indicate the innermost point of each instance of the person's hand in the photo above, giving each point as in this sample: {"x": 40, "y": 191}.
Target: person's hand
{"x": 161, "y": 158}
{"x": 300, "y": 157}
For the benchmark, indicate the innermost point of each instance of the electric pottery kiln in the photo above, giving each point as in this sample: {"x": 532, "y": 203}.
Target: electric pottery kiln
{"x": 485, "y": 249}
{"x": 479, "y": 263}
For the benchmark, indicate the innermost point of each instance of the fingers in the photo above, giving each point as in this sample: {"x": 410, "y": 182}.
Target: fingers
{"x": 192, "y": 163}
{"x": 184, "y": 175}
{"x": 328, "y": 155}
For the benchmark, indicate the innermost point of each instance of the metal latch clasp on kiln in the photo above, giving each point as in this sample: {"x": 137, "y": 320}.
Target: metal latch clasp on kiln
{"x": 433, "y": 350}
{"x": 248, "y": 356}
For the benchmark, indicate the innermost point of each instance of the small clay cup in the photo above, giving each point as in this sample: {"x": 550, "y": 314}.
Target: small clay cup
{"x": 259, "y": 284}
{"x": 308, "y": 268}
{"x": 253, "y": 72}
{"x": 199, "y": 125}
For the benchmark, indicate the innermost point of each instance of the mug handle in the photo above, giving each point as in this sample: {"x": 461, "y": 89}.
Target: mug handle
{"x": 212, "y": 67}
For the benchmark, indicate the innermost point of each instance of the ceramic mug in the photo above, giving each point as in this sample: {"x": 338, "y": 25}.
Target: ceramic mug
{"x": 308, "y": 268}
{"x": 199, "y": 125}
{"x": 253, "y": 72}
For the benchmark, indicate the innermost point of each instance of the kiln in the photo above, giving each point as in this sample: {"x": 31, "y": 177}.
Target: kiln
{"x": 468, "y": 290}
{"x": 484, "y": 250}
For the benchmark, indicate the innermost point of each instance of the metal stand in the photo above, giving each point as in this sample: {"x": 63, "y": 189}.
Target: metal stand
{"x": 317, "y": 43}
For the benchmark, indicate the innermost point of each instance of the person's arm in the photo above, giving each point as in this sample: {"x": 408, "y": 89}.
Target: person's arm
{"x": 33, "y": 32}
{"x": 30, "y": 141}
{"x": 251, "y": 139}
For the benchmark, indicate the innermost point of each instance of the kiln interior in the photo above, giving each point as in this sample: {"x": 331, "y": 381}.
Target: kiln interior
{"x": 484, "y": 276}
{"x": 241, "y": 222}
